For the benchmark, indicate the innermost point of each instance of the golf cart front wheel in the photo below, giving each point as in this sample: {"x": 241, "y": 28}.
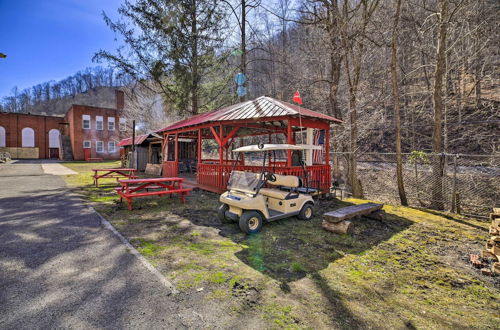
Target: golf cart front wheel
{"x": 251, "y": 222}
{"x": 306, "y": 213}
{"x": 221, "y": 212}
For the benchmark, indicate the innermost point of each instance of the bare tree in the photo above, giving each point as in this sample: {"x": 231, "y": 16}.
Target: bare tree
{"x": 396, "y": 103}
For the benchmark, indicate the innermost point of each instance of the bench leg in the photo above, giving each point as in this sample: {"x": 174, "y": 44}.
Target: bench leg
{"x": 183, "y": 198}
{"x": 129, "y": 202}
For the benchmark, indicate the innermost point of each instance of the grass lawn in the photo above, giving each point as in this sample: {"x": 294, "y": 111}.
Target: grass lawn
{"x": 408, "y": 271}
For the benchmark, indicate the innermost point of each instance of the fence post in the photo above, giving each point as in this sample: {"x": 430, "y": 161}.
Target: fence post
{"x": 454, "y": 187}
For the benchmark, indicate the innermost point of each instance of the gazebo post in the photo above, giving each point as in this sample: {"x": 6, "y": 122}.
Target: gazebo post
{"x": 289, "y": 141}
{"x": 270, "y": 153}
{"x": 221, "y": 154}
{"x": 199, "y": 145}
{"x": 176, "y": 153}
{"x": 327, "y": 146}
{"x": 165, "y": 147}
{"x": 221, "y": 148}
{"x": 242, "y": 153}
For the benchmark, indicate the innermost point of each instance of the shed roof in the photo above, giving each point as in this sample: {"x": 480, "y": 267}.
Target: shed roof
{"x": 261, "y": 107}
{"x": 128, "y": 141}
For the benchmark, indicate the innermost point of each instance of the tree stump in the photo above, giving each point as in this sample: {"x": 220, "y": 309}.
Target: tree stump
{"x": 343, "y": 227}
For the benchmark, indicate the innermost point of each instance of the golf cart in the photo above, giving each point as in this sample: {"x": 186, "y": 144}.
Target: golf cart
{"x": 253, "y": 198}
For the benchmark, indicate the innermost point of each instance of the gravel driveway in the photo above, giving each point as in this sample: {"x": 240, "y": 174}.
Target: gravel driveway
{"x": 59, "y": 268}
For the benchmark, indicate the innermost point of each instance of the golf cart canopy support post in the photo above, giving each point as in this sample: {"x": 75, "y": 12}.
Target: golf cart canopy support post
{"x": 260, "y": 117}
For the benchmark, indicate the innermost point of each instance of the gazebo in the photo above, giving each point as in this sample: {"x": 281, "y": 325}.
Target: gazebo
{"x": 264, "y": 117}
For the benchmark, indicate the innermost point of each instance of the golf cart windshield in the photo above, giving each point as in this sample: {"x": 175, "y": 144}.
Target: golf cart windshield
{"x": 247, "y": 182}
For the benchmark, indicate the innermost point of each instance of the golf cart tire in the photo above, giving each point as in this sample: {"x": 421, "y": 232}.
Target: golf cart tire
{"x": 251, "y": 222}
{"x": 221, "y": 213}
{"x": 306, "y": 213}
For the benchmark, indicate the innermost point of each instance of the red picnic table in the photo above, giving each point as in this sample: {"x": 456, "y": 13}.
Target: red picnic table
{"x": 132, "y": 188}
{"x": 117, "y": 173}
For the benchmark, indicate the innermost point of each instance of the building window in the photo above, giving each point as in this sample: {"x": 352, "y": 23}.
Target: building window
{"x": 111, "y": 123}
{"x": 111, "y": 146}
{"x": 86, "y": 121}
{"x": 123, "y": 124}
{"x": 99, "y": 123}
{"x": 87, "y": 144}
{"x": 28, "y": 137}
{"x": 54, "y": 138}
{"x": 99, "y": 146}
{"x": 2, "y": 137}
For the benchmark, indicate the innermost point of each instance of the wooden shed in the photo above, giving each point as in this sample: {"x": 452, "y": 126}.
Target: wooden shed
{"x": 148, "y": 149}
{"x": 272, "y": 120}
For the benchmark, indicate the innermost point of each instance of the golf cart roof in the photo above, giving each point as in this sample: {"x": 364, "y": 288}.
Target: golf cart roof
{"x": 270, "y": 147}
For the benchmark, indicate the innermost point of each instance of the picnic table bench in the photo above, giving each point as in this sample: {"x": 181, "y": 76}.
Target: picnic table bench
{"x": 132, "y": 188}
{"x": 118, "y": 173}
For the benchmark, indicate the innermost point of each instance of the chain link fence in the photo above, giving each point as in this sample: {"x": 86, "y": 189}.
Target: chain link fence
{"x": 465, "y": 184}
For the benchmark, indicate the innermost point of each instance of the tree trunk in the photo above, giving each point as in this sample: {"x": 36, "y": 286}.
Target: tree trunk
{"x": 395, "y": 101}
{"x": 437, "y": 98}
{"x": 335, "y": 64}
{"x": 194, "y": 48}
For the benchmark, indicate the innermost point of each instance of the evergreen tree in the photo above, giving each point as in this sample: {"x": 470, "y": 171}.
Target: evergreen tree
{"x": 175, "y": 43}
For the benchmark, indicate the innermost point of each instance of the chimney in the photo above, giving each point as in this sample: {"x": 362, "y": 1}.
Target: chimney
{"x": 120, "y": 99}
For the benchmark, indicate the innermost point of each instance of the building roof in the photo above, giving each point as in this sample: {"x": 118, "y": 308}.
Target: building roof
{"x": 261, "y": 107}
{"x": 128, "y": 141}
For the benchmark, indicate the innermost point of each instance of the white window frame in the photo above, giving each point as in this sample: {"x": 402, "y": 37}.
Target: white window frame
{"x": 99, "y": 119}
{"x": 89, "y": 144}
{"x": 111, "y": 143}
{"x": 123, "y": 124}
{"x": 97, "y": 143}
{"x": 111, "y": 120}
{"x": 85, "y": 118}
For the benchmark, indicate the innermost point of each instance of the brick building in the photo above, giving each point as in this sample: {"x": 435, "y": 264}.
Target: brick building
{"x": 83, "y": 132}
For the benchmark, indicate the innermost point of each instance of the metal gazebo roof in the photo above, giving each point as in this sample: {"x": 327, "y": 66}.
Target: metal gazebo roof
{"x": 261, "y": 107}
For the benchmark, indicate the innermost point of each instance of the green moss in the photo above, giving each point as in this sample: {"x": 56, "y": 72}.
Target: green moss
{"x": 296, "y": 267}
{"x": 281, "y": 316}
{"x": 148, "y": 248}
{"x": 217, "y": 277}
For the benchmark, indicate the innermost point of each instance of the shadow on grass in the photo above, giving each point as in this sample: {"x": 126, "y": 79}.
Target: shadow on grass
{"x": 289, "y": 249}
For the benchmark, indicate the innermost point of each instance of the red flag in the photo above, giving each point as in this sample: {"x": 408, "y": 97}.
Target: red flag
{"x": 296, "y": 98}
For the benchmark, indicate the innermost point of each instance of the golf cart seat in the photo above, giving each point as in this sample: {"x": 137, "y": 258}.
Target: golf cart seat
{"x": 285, "y": 180}
{"x": 274, "y": 193}
{"x": 290, "y": 181}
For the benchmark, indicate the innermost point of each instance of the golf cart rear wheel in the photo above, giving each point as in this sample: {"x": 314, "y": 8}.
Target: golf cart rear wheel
{"x": 251, "y": 222}
{"x": 221, "y": 213}
{"x": 306, "y": 213}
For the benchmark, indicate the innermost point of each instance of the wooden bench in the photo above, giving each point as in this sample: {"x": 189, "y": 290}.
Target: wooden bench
{"x": 336, "y": 221}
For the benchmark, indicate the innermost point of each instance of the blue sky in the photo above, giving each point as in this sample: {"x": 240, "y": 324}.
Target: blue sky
{"x": 51, "y": 39}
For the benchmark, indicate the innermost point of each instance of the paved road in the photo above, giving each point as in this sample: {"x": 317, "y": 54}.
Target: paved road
{"x": 60, "y": 269}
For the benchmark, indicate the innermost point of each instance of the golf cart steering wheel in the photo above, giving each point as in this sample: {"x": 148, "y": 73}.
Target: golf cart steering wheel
{"x": 271, "y": 177}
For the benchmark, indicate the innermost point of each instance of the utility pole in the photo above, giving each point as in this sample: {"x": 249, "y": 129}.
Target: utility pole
{"x": 133, "y": 163}
{"x": 243, "y": 45}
